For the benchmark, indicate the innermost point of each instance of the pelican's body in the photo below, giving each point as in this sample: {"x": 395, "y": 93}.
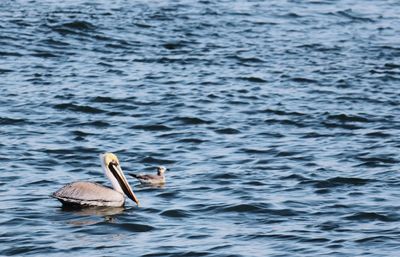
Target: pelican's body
{"x": 84, "y": 193}
{"x": 150, "y": 179}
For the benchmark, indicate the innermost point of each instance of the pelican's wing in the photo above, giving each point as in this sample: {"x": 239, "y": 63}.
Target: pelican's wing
{"x": 88, "y": 193}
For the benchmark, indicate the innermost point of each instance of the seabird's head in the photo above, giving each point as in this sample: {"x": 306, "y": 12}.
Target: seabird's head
{"x": 113, "y": 170}
{"x": 161, "y": 170}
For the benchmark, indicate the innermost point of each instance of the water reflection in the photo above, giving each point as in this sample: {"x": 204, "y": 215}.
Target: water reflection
{"x": 97, "y": 211}
{"x": 107, "y": 213}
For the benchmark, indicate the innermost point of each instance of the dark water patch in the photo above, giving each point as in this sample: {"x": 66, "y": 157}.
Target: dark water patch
{"x": 108, "y": 99}
{"x": 354, "y": 17}
{"x": 257, "y": 151}
{"x": 54, "y": 42}
{"x": 391, "y": 66}
{"x": 80, "y": 133}
{"x": 347, "y": 118}
{"x": 246, "y": 60}
{"x": 320, "y": 47}
{"x": 168, "y": 195}
{"x": 15, "y": 54}
{"x": 44, "y": 54}
{"x": 253, "y": 79}
{"x": 250, "y": 208}
{"x": 77, "y": 25}
{"x": 258, "y": 208}
{"x": 192, "y": 140}
{"x": 42, "y": 182}
{"x": 95, "y": 124}
{"x": 372, "y": 216}
{"x": 376, "y": 161}
{"x": 295, "y": 177}
{"x": 255, "y": 183}
{"x": 132, "y": 227}
{"x": 378, "y": 134}
{"x": 13, "y": 121}
{"x": 152, "y": 127}
{"x": 2, "y": 71}
{"x": 192, "y": 120}
{"x": 189, "y": 254}
{"x": 375, "y": 239}
{"x": 27, "y": 249}
{"x": 226, "y": 175}
{"x": 78, "y": 108}
{"x": 235, "y": 102}
{"x": 328, "y": 226}
{"x": 156, "y": 161}
{"x": 173, "y": 45}
{"x": 322, "y": 191}
{"x": 271, "y": 134}
{"x": 198, "y": 236}
{"x": 228, "y": 131}
{"x": 338, "y": 182}
{"x": 175, "y": 213}
{"x": 286, "y": 153}
{"x": 282, "y": 112}
{"x": 285, "y": 122}
{"x": 304, "y": 80}
{"x": 61, "y": 151}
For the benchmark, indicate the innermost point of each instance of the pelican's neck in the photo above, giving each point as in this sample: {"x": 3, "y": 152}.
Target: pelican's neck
{"x": 111, "y": 177}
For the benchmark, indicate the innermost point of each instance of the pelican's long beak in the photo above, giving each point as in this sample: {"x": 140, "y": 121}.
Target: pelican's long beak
{"x": 119, "y": 175}
{"x": 113, "y": 170}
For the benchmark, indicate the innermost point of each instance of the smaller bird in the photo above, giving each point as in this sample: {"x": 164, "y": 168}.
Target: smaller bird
{"x": 149, "y": 179}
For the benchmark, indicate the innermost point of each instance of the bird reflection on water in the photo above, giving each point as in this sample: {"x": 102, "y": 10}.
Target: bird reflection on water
{"x": 108, "y": 213}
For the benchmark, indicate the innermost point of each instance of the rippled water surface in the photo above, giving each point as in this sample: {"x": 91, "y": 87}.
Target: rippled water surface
{"x": 278, "y": 122}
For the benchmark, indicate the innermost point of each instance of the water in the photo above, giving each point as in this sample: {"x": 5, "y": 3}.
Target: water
{"x": 278, "y": 121}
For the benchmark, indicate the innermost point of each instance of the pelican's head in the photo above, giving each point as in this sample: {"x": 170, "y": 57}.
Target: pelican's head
{"x": 112, "y": 168}
{"x": 161, "y": 170}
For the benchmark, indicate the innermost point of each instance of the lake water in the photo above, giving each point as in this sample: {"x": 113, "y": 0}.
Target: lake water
{"x": 278, "y": 122}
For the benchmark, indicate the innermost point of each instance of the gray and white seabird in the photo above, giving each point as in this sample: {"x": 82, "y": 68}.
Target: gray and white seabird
{"x": 84, "y": 193}
{"x": 150, "y": 179}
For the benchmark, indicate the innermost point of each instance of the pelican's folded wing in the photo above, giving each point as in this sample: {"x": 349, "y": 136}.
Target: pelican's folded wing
{"x": 88, "y": 193}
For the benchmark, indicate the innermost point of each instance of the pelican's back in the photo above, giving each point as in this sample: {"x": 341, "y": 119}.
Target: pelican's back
{"x": 89, "y": 193}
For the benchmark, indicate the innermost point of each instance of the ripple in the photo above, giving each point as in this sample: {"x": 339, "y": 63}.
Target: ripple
{"x": 228, "y": 131}
{"x": 304, "y": 80}
{"x": 371, "y": 216}
{"x": 175, "y": 213}
{"x": 152, "y": 160}
{"x": 152, "y": 127}
{"x": 338, "y": 182}
{"x": 347, "y": 118}
{"x": 192, "y": 120}
{"x": 78, "y": 108}
{"x": 253, "y": 79}
{"x": 73, "y": 27}
{"x": 133, "y": 227}
{"x": 13, "y": 121}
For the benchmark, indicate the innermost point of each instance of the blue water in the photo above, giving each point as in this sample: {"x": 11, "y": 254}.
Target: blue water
{"x": 278, "y": 122}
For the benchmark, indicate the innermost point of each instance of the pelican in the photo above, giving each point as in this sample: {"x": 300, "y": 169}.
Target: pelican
{"x": 82, "y": 193}
{"x": 148, "y": 179}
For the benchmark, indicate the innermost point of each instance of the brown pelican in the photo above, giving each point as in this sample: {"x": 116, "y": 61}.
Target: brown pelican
{"x": 82, "y": 193}
{"x": 148, "y": 179}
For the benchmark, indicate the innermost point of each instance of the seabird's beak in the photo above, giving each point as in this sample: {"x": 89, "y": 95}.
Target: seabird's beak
{"x": 112, "y": 164}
